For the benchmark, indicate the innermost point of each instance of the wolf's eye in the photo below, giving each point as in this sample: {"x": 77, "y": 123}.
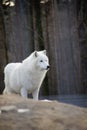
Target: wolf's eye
{"x": 41, "y": 61}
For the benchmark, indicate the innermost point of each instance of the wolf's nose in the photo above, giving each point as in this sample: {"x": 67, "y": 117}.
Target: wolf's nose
{"x": 48, "y": 67}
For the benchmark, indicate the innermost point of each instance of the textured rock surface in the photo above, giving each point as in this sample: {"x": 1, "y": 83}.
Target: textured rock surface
{"x": 18, "y": 113}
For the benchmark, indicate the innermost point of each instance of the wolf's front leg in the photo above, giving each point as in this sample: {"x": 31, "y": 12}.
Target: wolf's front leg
{"x": 35, "y": 94}
{"x": 24, "y": 93}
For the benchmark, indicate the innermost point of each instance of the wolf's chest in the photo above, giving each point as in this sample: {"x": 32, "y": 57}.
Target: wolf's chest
{"x": 33, "y": 81}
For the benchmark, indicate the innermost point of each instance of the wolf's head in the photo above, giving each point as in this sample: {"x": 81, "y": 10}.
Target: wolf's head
{"x": 42, "y": 61}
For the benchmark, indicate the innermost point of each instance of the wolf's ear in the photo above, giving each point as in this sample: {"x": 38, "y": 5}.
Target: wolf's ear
{"x": 44, "y": 51}
{"x": 36, "y": 54}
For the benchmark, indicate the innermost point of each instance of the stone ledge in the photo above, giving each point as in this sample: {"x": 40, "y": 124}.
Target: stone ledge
{"x": 25, "y": 114}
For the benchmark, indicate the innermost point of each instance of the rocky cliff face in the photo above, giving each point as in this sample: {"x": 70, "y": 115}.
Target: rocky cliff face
{"x": 18, "y": 113}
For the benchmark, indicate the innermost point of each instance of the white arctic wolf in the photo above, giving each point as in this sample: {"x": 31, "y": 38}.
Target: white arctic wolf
{"x": 26, "y": 77}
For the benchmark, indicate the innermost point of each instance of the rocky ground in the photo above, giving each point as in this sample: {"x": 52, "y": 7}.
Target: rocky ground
{"x": 17, "y": 113}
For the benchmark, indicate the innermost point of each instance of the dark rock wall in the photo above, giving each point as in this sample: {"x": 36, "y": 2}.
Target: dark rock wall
{"x": 53, "y": 26}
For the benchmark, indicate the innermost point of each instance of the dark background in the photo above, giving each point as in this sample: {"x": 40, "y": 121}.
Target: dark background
{"x": 60, "y": 27}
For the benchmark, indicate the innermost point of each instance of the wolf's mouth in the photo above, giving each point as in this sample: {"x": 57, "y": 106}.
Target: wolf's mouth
{"x": 48, "y": 67}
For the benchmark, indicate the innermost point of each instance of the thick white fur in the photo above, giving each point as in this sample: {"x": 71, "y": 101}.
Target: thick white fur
{"x": 26, "y": 77}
